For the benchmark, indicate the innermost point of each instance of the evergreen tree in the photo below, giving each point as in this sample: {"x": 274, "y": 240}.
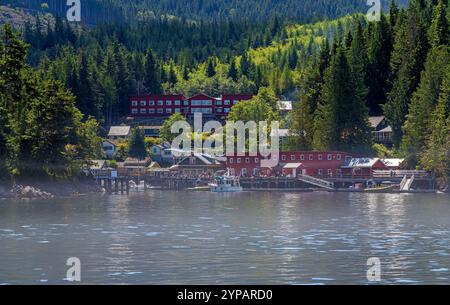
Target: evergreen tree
{"x": 210, "y": 71}
{"x": 423, "y": 102}
{"x": 245, "y": 65}
{"x": 151, "y": 81}
{"x": 410, "y": 49}
{"x": 341, "y": 120}
{"x": 136, "y": 145}
{"x": 232, "y": 72}
{"x": 438, "y": 32}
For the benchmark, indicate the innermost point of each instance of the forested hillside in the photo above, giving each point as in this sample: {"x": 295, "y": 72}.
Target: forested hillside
{"x": 99, "y": 11}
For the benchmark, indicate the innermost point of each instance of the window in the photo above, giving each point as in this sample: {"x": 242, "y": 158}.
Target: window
{"x": 143, "y": 103}
{"x": 134, "y": 111}
{"x": 151, "y": 111}
{"x": 192, "y": 160}
{"x": 160, "y": 110}
{"x": 177, "y": 103}
{"x": 311, "y": 157}
{"x": 302, "y": 157}
{"x": 168, "y": 103}
{"x": 239, "y": 160}
{"x": 218, "y": 103}
{"x": 235, "y": 102}
{"x": 168, "y": 110}
{"x": 244, "y": 172}
{"x": 160, "y": 103}
{"x": 292, "y": 157}
{"x": 227, "y": 110}
{"x": 227, "y": 102}
{"x": 143, "y": 111}
{"x": 339, "y": 157}
{"x": 151, "y": 103}
{"x": 177, "y": 110}
{"x": 320, "y": 157}
{"x": 283, "y": 157}
{"x": 330, "y": 172}
{"x": 256, "y": 160}
{"x": 320, "y": 172}
{"x": 330, "y": 157}
{"x": 231, "y": 161}
{"x": 247, "y": 160}
{"x": 134, "y": 103}
{"x": 219, "y": 110}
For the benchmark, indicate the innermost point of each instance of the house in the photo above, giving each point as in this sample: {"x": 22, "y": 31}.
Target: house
{"x": 293, "y": 169}
{"x": 151, "y": 131}
{"x": 133, "y": 167}
{"x": 285, "y": 107}
{"x": 119, "y": 133}
{"x": 393, "y": 164}
{"x": 381, "y": 130}
{"x": 197, "y": 164}
{"x": 109, "y": 148}
{"x": 162, "y": 153}
{"x": 313, "y": 163}
{"x": 362, "y": 167}
{"x": 161, "y": 106}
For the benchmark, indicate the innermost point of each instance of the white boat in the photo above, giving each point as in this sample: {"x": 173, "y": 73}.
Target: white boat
{"x": 226, "y": 184}
{"x": 134, "y": 187}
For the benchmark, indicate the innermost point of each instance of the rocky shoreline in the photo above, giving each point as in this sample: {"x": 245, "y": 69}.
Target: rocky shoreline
{"x": 49, "y": 189}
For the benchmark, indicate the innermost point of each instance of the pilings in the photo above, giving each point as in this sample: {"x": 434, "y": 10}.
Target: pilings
{"x": 115, "y": 185}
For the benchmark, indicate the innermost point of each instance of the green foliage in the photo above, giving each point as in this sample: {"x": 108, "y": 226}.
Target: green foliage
{"x": 136, "y": 146}
{"x": 166, "y": 133}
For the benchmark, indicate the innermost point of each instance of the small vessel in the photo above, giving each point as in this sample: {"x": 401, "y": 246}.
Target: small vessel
{"x": 134, "y": 187}
{"x": 226, "y": 184}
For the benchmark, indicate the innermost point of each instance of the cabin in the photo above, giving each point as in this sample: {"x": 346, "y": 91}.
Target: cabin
{"x": 134, "y": 167}
{"x": 197, "y": 164}
{"x": 109, "y": 148}
{"x": 381, "y": 130}
{"x": 119, "y": 133}
{"x": 285, "y": 107}
{"x": 393, "y": 163}
{"x": 362, "y": 167}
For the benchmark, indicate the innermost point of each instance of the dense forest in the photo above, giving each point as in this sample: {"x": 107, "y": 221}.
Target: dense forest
{"x": 100, "y": 11}
{"x": 339, "y": 72}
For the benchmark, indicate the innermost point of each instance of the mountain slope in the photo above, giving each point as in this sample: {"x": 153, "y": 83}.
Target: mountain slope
{"x": 97, "y": 11}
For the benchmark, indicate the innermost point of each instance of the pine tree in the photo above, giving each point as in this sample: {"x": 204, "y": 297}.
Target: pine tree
{"x": 245, "y": 65}
{"x": 341, "y": 119}
{"x": 151, "y": 81}
{"x": 293, "y": 59}
{"x": 423, "y": 102}
{"x": 438, "y": 32}
{"x": 136, "y": 146}
{"x": 232, "y": 72}
{"x": 408, "y": 57}
{"x": 210, "y": 71}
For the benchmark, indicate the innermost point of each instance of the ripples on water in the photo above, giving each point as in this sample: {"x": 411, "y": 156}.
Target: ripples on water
{"x": 247, "y": 238}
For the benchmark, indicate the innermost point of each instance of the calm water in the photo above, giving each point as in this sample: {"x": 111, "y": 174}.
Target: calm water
{"x": 247, "y": 238}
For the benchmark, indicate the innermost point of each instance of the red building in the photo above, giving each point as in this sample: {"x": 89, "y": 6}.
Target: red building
{"x": 166, "y": 105}
{"x": 316, "y": 164}
{"x": 362, "y": 167}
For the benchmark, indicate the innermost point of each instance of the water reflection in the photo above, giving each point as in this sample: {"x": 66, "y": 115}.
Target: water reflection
{"x": 248, "y": 238}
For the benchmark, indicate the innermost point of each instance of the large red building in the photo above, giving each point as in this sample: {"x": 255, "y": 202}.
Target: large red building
{"x": 312, "y": 163}
{"x": 166, "y": 105}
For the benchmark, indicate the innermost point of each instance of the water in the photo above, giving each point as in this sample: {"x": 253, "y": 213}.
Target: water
{"x": 247, "y": 238}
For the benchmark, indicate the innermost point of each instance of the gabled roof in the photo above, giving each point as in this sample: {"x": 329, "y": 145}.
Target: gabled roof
{"x": 393, "y": 162}
{"x": 361, "y": 162}
{"x": 285, "y": 105}
{"x": 375, "y": 121}
{"x": 205, "y": 159}
{"x": 280, "y": 133}
{"x": 293, "y": 165}
{"x": 201, "y": 95}
{"x": 119, "y": 131}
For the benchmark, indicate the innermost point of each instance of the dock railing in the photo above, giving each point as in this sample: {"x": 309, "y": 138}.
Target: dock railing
{"x": 421, "y": 174}
{"x": 316, "y": 181}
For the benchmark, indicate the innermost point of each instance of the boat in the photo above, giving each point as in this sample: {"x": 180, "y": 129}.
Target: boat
{"x": 134, "y": 187}
{"x": 225, "y": 184}
{"x": 381, "y": 189}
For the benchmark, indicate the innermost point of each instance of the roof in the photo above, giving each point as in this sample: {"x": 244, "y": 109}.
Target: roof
{"x": 201, "y": 95}
{"x": 157, "y": 96}
{"x": 97, "y": 164}
{"x": 387, "y": 129}
{"x": 119, "y": 131}
{"x": 285, "y": 105}
{"x": 150, "y": 127}
{"x": 293, "y": 165}
{"x": 110, "y": 142}
{"x": 375, "y": 121}
{"x": 360, "y": 162}
{"x": 280, "y": 133}
{"x": 393, "y": 162}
